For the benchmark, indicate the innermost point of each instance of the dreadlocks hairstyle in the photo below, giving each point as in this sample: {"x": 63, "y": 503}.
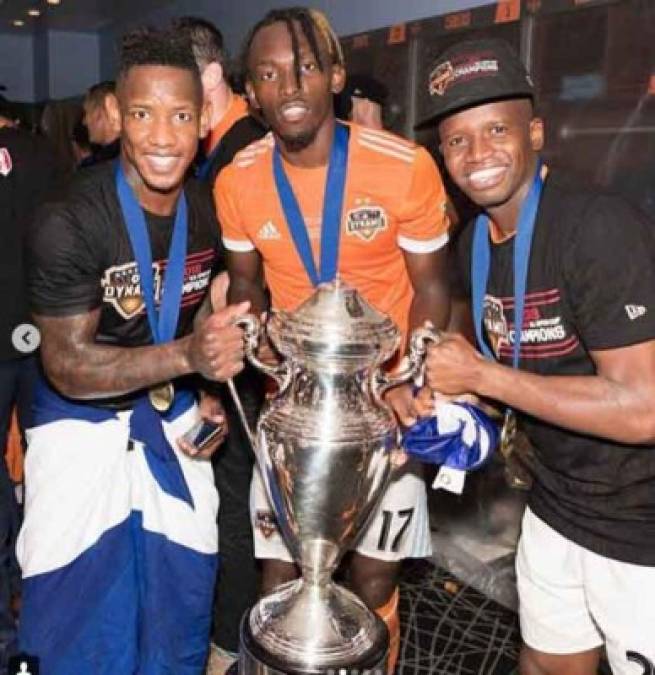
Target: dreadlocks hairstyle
{"x": 152, "y": 47}
{"x": 312, "y": 23}
{"x": 206, "y": 40}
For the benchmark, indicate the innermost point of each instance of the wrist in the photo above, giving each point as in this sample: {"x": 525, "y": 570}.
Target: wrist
{"x": 184, "y": 360}
{"x": 489, "y": 379}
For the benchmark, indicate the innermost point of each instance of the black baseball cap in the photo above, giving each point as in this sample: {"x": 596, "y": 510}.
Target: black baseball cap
{"x": 472, "y": 73}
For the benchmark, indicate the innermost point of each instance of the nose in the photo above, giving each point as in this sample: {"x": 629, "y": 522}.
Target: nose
{"x": 478, "y": 148}
{"x": 161, "y": 132}
{"x": 289, "y": 81}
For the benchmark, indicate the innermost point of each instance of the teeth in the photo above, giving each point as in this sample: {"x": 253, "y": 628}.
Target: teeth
{"x": 485, "y": 175}
{"x": 162, "y": 162}
{"x": 294, "y": 112}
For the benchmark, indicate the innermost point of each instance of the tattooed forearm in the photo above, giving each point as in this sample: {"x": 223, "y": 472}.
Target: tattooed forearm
{"x": 80, "y": 368}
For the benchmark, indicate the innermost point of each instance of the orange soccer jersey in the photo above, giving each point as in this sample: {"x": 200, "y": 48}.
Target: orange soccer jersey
{"x": 237, "y": 109}
{"x": 394, "y": 201}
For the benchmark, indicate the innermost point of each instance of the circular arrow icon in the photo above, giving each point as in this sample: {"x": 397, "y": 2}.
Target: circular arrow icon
{"x": 26, "y": 338}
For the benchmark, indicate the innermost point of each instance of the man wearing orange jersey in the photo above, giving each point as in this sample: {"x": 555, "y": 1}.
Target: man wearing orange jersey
{"x": 231, "y": 125}
{"x": 318, "y": 197}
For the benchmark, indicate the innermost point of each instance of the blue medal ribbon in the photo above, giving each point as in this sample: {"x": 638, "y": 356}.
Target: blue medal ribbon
{"x": 481, "y": 261}
{"x": 163, "y": 323}
{"x": 145, "y": 422}
{"x": 204, "y": 168}
{"x": 332, "y": 207}
{"x": 425, "y": 440}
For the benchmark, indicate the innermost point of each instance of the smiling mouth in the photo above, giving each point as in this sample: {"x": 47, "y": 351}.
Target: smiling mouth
{"x": 293, "y": 112}
{"x": 162, "y": 162}
{"x": 486, "y": 178}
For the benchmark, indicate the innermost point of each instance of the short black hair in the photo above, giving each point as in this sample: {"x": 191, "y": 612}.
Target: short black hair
{"x": 312, "y": 23}
{"x": 206, "y": 40}
{"x": 157, "y": 47}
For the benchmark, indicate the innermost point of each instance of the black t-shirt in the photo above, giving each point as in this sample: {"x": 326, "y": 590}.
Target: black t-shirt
{"x": 28, "y": 174}
{"x": 591, "y": 286}
{"x": 241, "y": 134}
{"x": 81, "y": 258}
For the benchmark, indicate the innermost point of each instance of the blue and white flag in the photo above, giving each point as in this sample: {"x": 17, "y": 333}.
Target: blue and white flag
{"x": 459, "y": 436}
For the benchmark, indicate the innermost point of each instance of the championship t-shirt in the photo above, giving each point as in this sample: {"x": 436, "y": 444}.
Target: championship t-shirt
{"x": 591, "y": 286}
{"x": 394, "y": 201}
{"x": 81, "y": 259}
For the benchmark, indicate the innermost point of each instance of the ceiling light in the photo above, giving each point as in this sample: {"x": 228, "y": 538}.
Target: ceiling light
{"x": 18, "y": 22}
{"x": 34, "y": 12}
{"x": 54, "y": 2}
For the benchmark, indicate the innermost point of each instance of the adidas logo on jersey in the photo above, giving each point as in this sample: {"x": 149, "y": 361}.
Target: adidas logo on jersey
{"x": 268, "y": 231}
{"x": 634, "y": 311}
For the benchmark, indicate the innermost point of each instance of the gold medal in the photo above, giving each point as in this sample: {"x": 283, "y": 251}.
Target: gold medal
{"x": 161, "y": 397}
{"x": 517, "y": 452}
{"x": 508, "y": 434}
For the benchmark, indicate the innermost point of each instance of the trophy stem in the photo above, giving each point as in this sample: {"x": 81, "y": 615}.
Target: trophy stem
{"x": 312, "y": 629}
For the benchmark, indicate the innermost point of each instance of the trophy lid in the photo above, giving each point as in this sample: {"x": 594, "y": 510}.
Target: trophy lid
{"x": 335, "y": 323}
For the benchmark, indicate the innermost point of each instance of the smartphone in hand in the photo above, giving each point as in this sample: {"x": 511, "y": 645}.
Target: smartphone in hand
{"x": 202, "y": 434}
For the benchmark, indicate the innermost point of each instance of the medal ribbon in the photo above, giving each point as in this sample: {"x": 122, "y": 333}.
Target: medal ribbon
{"x": 480, "y": 264}
{"x": 335, "y": 185}
{"x": 163, "y": 323}
{"x": 204, "y": 168}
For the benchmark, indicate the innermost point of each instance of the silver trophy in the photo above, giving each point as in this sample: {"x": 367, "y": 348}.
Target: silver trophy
{"x": 324, "y": 445}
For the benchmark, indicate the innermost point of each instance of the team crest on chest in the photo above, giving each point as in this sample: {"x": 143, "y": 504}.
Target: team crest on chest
{"x": 366, "y": 220}
{"x": 266, "y": 523}
{"x": 121, "y": 286}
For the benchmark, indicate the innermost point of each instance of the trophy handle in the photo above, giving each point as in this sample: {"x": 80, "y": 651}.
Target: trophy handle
{"x": 418, "y": 347}
{"x": 251, "y": 325}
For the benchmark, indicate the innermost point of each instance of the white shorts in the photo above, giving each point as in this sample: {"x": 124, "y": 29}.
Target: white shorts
{"x": 572, "y": 600}
{"x": 398, "y": 529}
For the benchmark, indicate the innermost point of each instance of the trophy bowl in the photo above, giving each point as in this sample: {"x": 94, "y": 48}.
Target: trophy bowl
{"x": 323, "y": 445}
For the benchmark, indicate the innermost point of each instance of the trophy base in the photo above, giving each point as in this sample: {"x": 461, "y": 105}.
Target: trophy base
{"x": 308, "y": 630}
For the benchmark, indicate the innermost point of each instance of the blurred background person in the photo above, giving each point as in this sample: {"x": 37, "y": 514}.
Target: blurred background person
{"x": 103, "y": 136}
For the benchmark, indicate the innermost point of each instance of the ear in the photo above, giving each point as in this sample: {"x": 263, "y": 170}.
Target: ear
{"x": 252, "y": 97}
{"x": 338, "y": 79}
{"x": 537, "y": 133}
{"x": 212, "y": 76}
{"x": 113, "y": 112}
{"x": 205, "y": 116}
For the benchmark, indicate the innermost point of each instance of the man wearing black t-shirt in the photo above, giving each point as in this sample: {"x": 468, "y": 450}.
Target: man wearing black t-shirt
{"x": 584, "y": 384}
{"x": 118, "y": 547}
{"x": 232, "y": 129}
{"x": 231, "y": 126}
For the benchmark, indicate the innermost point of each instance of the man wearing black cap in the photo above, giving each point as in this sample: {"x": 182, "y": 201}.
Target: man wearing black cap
{"x": 574, "y": 268}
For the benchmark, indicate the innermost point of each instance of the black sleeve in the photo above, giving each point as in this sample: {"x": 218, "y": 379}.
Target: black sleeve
{"x": 64, "y": 262}
{"x": 240, "y": 135}
{"x": 205, "y": 212}
{"x": 610, "y": 275}
{"x": 460, "y": 263}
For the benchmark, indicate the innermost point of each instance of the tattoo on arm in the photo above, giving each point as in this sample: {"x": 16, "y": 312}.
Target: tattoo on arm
{"x": 81, "y": 368}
